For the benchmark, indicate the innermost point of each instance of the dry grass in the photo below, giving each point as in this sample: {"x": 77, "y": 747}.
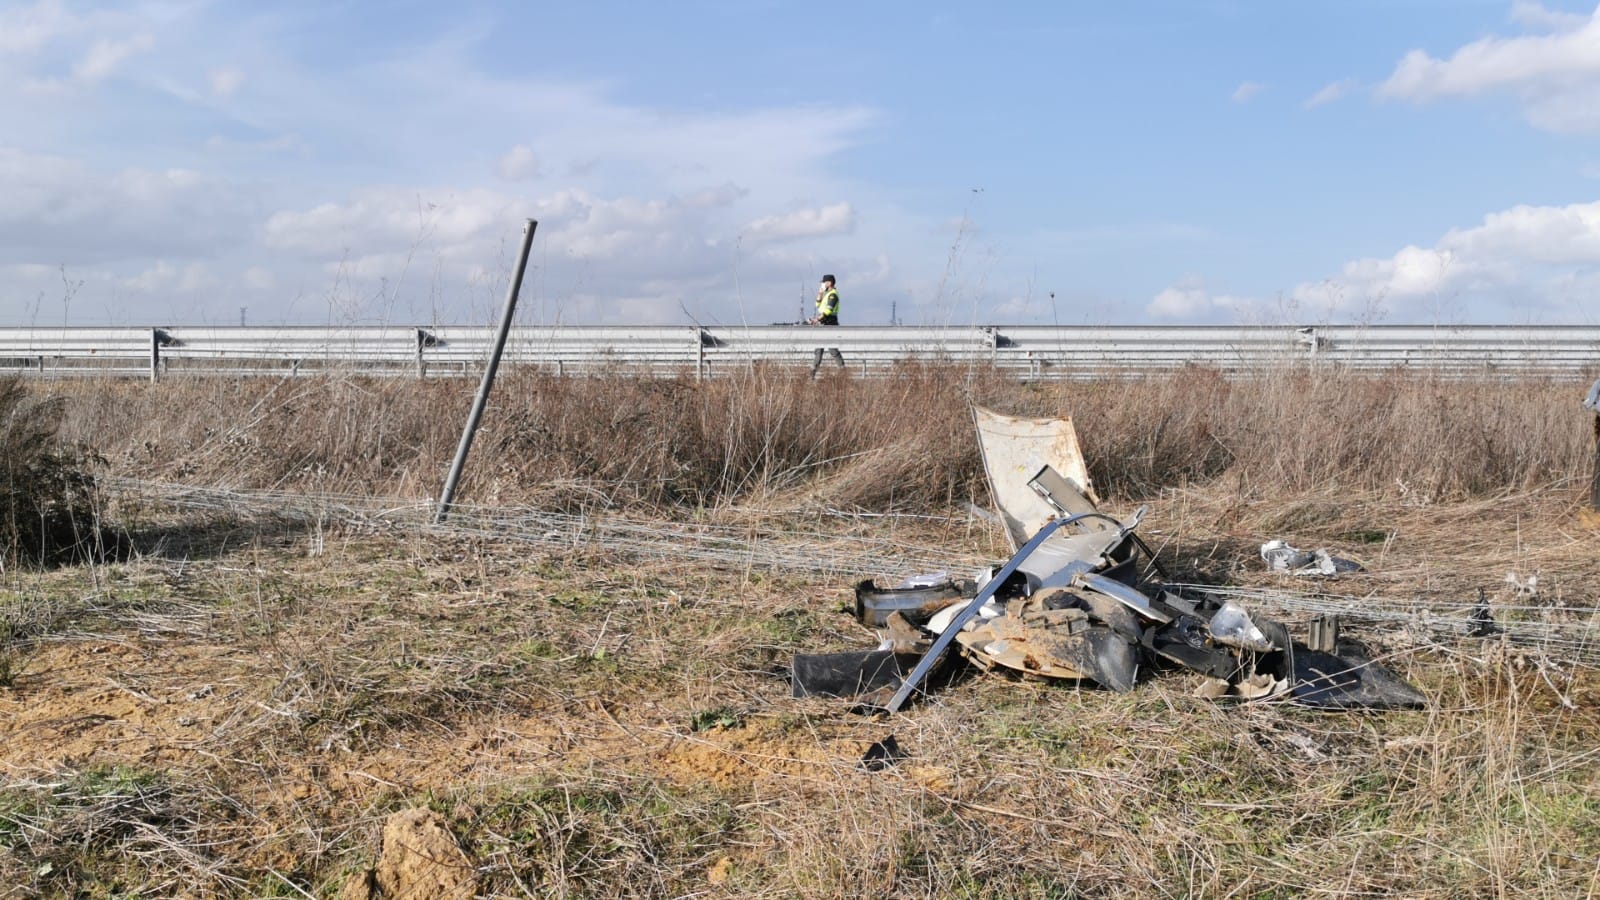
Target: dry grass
{"x": 235, "y": 716}
{"x": 47, "y": 497}
{"x": 902, "y": 442}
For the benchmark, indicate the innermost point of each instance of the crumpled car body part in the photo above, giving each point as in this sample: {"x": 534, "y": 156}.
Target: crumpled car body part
{"x": 1132, "y": 598}
{"x": 967, "y": 613}
{"x": 849, "y": 674}
{"x": 1060, "y": 634}
{"x": 1014, "y": 450}
{"x": 1233, "y": 627}
{"x": 874, "y": 604}
{"x": 1280, "y": 557}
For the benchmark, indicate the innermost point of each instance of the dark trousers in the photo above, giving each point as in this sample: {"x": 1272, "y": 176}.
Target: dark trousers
{"x": 816, "y": 361}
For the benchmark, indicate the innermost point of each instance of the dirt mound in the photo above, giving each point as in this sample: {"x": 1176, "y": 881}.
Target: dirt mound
{"x": 420, "y": 859}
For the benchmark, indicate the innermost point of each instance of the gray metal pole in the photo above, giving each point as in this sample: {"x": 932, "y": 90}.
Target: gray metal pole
{"x": 482, "y": 400}
{"x": 155, "y": 353}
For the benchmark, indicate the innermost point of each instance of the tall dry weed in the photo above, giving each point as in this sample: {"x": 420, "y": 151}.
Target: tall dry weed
{"x": 47, "y": 497}
{"x": 903, "y": 441}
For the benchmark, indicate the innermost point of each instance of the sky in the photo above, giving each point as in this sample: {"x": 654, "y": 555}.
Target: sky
{"x": 207, "y": 162}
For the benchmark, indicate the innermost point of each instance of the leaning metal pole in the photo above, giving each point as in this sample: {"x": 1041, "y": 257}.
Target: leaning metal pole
{"x": 482, "y": 400}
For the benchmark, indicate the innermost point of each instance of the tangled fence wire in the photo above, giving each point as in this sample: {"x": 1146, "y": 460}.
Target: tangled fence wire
{"x": 1570, "y": 634}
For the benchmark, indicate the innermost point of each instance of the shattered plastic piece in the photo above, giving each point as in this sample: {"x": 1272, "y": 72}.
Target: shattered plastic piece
{"x": 848, "y": 674}
{"x": 1254, "y": 687}
{"x": 1232, "y": 626}
{"x": 1061, "y": 634}
{"x": 1280, "y": 557}
{"x": 1064, "y": 496}
{"x": 1349, "y": 680}
{"x": 1259, "y": 685}
{"x": 1187, "y": 642}
{"x": 874, "y": 604}
{"x": 1523, "y": 587}
{"x": 931, "y": 579}
{"x": 882, "y": 755}
{"x": 941, "y": 622}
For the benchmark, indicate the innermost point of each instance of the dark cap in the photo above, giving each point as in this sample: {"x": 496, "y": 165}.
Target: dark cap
{"x": 829, "y": 279}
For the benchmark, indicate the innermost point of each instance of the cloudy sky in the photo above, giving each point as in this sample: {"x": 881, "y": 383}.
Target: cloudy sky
{"x": 1191, "y": 161}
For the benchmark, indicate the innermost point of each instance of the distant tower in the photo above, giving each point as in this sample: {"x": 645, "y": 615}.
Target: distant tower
{"x": 241, "y": 315}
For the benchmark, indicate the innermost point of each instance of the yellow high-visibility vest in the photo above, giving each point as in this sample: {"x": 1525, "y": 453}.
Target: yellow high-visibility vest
{"x": 828, "y": 303}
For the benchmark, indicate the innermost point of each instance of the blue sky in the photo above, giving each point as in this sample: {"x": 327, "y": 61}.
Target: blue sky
{"x": 1323, "y": 161}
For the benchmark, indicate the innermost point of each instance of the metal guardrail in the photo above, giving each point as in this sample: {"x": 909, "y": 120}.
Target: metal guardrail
{"x": 1027, "y": 351}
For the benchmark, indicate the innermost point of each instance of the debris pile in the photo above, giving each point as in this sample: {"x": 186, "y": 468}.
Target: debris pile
{"x": 1084, "y": 598}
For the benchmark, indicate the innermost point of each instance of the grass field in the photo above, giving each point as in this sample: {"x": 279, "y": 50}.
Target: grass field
{"x": 237, "y": 706}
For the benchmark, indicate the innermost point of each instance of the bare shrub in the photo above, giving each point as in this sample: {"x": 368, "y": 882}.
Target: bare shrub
{"x": 46, "y": 493}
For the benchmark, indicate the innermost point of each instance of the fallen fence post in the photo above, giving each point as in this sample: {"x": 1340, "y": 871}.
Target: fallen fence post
{"x": 482, "y": 399}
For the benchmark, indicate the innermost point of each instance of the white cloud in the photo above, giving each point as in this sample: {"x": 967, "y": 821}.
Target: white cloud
{"x": 378, "y": 218}
{"x": 166, "y": 277}
{"x": 65, "y": 211}
{"x": 1535, "y": 15}
{"x": 840, "y": 218}
{"x": 259, "y": 278}
{"x": 365, "y": 181}
{"x": 519, "y": 164}
{"x": 1556, "y": 75}
{"x": 1246, "y": 91}
{"x": 1179, "y": 303}
{"x": 1189, "y": 301}
{"x": 1330, "y": 93}
{"x": 26, "y": 29}
{"x": 105, "y": 55}
{"x": 722, "y": 195}
{"x": 1526, "y": 257}
{"x": 1543, "y": 262}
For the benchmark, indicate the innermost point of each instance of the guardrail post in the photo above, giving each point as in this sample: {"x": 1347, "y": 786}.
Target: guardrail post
{"x": 699, "y": 354}
{"x": 155, "y": 354}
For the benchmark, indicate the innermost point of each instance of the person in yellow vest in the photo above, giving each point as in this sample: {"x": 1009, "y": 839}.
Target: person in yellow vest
{"x": 827, "y": 314}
